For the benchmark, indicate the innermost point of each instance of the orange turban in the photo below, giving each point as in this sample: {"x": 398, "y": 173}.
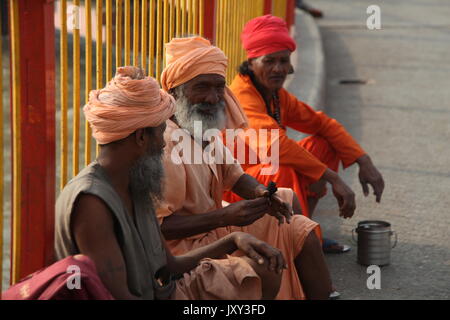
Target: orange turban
{"x": 187, "y": 58}
{"x": 129, "y": 102}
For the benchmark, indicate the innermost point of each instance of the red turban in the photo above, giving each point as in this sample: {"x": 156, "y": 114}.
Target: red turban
{"x": 265, "y": 35}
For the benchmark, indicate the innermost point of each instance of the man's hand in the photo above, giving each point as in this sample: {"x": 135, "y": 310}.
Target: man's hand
{"x": 258, "y": 250}
{"x": 245, "y": 212}
{"x": 369, "y": 174}
{"x": 344, "y": 195}
{"x": 278, "y": 208}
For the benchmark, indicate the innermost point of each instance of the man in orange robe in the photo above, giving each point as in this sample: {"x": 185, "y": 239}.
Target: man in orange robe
{"x": 306, "y": 165}
{"x": 192, "y": 214}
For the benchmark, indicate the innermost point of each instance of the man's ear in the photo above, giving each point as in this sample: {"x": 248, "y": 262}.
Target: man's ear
{"x": 291, "y": 69}
{"x": 140, "y": 137}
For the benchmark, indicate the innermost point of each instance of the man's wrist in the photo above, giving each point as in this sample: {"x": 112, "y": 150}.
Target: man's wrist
{"x": 330, "y": 176}
{"x": 259, "y": 191}
{"x": 363, "y": 160}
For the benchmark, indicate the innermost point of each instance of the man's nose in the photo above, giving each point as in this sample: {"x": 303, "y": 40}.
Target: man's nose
{"x": 213, "y": 97}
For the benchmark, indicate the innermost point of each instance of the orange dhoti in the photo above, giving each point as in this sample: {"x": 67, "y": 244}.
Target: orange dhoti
{"x": 287, "y": 177}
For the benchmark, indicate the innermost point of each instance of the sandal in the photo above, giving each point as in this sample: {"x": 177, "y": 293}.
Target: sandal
{"x": 331, "y": 246}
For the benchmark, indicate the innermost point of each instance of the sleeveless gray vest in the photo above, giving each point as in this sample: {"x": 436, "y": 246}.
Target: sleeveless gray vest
{"x": 140, "y": 242}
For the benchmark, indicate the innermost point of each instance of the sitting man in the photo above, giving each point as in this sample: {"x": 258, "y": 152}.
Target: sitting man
{"x": 106, "y": 213}
{"x": 192, "y": 215}
{"x": 307, "y": 165}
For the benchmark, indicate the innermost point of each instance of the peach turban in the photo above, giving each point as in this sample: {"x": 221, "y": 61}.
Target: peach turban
{"x": 130, "y": 101}
{"x": 187, "y": 58}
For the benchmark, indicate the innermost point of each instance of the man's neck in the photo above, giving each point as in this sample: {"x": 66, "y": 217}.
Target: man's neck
{"x": 117, "y": 170}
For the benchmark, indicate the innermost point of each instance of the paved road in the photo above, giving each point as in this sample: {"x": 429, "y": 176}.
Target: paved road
{"x": 403, "y": 120}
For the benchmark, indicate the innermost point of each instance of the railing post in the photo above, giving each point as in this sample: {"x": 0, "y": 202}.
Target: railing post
{"x": 268, "y": 6}
{"x": 290, "y": 13}
{"x": 33, "y": 132}
{"x": 209, "y": 20}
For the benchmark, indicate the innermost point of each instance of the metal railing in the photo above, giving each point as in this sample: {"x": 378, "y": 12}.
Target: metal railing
{"x": 91, "y": 39}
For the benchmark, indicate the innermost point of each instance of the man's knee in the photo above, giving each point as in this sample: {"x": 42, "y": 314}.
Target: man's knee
{"x": 270, "y": 280}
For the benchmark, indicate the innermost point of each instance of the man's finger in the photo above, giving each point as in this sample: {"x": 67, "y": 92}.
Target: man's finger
{"x": 365, "y": 188}
{"x": 254, "y": 255}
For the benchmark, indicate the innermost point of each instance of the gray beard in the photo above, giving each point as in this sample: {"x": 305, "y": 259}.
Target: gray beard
{"x": 187, "y": 114}
{"x": 146, "y": 178}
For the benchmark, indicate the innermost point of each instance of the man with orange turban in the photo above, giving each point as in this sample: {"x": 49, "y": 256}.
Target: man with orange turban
{"x": 192, "y": 215}
{"x": 307, "y": 165}
{"x": 106, "y": 213}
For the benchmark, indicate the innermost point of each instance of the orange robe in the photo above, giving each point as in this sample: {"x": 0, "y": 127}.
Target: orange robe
{"x": 191, "y": 189}
{"x": 303, "y": 162}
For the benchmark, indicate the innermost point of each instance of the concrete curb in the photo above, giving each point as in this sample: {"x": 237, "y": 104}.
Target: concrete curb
{"x": 308, "y": 81}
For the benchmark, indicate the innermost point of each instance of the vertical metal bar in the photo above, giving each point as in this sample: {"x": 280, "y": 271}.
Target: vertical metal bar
{"x": 202, "y": 18}
{"x": 76, "y": 88}
{"x": 171, "y": 19}
{"x": 99, "y": 49}
{"x": 88, "y": 80}
{"x": 33, "y": 135}
{"x": 118, "y": 33}
{"x": 16, "y": 140}
{"x": 144, "y": 26}
{"x": 63, "y": 94}
{"x": 165, "y": 31}
{"x": 127, "y": 33}
{"x": 190, "y": 17}
{"x": 195, "y": 16}
{"x": 99, "y": 44}
{"x": 1, "y": 157}
{"x": 183, "y": 17}
{"x": 178, "y": 21}
{"x": 151, "y": 39}
{"x": 109, "y": 37}
{"x": 136, "y": 32}
{"x": 159, "y": 22}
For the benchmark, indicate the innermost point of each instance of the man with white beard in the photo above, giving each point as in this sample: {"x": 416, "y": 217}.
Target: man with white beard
{"x": 105, "y": 212}
{"x": 192, "y": 215}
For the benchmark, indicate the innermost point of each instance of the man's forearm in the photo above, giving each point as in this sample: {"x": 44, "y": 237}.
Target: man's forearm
{"x": 215, "y": 250}
{"x": 178, "y": 227}
{"x": 246, "y": 187}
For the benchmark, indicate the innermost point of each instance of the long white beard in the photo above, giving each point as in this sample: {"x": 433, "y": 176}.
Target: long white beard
{"x": 188, "y": 114}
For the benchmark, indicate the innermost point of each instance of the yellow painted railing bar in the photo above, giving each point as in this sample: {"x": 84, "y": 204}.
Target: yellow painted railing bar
{"x": 63, "y": 94}
{"x": 119, "y": 5}
{"x": 144, "y": 28}
{"x": 99, "y": 44}
{"x": 195, "y": 16}
{"x": 166, "y": 30}
{"x": 109, "y": 47}
{"x": 159, "y": 22}
{"x": 202, "y": 17}
{"x": 1, "y": 160}
{"x": 183, "y": 17}
{"x": 76, "y": 91}
{"x": 190, "y": 17}
{"x": 99, "y": 48}
{"x": 171, "y": 19}
{"x": 16, "y": 138}
{"x": 127, "y": 33}
{"x": 136, "y": 32}
{"x": 88, "y": 79}
{"x": 178, "y": 20}
{"x": 151, "y": 39}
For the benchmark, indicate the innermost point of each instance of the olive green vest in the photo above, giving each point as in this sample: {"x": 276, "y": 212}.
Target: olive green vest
{"x": 140, "y": 242}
